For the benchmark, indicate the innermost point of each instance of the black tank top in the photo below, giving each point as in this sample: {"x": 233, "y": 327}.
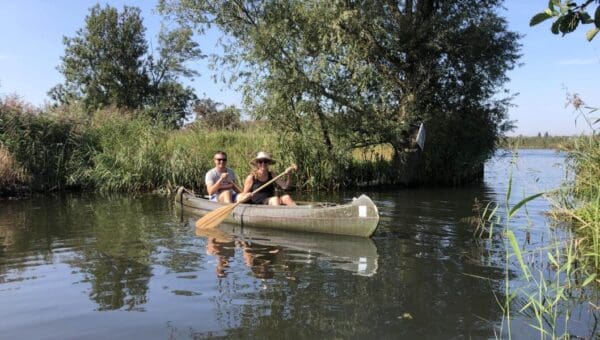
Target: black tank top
{"x": 261, "y": 196}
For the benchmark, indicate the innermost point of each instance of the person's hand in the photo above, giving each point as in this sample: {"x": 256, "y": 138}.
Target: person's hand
{"x": 244, "y": 197}
{"x": 224, "y": 176}
{"x": 293, "y": 167}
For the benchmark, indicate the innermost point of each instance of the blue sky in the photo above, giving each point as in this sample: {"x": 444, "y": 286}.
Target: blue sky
{"x": 31, "y": 33}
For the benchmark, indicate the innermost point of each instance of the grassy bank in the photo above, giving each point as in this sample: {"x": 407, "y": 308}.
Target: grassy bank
{"x": 112, "y": 150}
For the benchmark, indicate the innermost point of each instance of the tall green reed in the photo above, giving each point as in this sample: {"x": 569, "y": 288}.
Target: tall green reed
{"x": 553, "y": 276}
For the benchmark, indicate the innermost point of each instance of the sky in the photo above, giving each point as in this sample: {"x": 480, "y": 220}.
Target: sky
{"x": 31, "y": 45}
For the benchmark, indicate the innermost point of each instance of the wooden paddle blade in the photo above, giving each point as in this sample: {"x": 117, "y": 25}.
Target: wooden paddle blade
{"x": 215, "y": 217}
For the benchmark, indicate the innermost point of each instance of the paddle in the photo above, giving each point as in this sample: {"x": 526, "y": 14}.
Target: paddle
{"x": 215, "y": 217}
{"x": 420, "y": 139}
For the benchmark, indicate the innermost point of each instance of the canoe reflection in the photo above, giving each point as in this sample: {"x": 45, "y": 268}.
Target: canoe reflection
{"x": 261, "y": 248}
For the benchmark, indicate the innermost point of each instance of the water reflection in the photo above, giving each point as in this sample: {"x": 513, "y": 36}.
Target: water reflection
{"x": 261, "y": 249}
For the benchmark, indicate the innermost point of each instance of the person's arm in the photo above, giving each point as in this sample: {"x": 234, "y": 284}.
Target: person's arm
{"x": 245, "y": 195}
{"x": 213, "y": 188}
{"x": 285, "y": 183}
{"x": 248, "y": 184}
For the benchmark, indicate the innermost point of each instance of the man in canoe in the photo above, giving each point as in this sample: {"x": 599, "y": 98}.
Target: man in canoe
{"x": 261, "y": 175}
{"x": 221, "y": 182}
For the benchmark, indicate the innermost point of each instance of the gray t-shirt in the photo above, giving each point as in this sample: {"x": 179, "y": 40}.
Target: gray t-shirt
{"x": 213, "y": 175}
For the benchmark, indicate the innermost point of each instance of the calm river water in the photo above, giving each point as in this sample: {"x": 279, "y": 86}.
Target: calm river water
{"x": 122, "y": 267}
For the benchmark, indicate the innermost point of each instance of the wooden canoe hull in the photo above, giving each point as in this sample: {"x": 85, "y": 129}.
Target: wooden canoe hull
{"x": 357, "y": 218}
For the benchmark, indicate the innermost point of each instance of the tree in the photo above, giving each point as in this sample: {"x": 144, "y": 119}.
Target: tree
{"x": 568, "y": 16}
{"x": 108, "y": 63}
{"x": 208, "y": 113}
{"x": 349, "y": 74}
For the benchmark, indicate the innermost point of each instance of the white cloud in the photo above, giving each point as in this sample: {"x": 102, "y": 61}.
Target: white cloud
{"x": 579, "y": 61}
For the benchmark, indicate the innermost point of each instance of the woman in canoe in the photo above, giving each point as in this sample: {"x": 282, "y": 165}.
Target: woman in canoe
{"x": 261, "y": 175}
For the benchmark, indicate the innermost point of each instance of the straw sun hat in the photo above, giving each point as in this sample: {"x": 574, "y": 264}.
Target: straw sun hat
{"x": 263, "y": 155}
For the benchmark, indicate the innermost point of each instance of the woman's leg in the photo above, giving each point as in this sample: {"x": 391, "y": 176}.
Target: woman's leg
{"x": 274, "y": 200}
{"x": 287, "y": 200}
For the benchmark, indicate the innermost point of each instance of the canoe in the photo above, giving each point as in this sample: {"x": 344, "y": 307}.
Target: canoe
{"x": 356, "y": 218}
{"x": 357, "y": 255}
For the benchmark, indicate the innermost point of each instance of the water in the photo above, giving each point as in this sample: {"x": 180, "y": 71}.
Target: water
{"x": 82, "y": 266}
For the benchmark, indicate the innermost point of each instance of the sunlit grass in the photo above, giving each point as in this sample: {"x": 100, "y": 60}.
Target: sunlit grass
{"x": 11, "y": 173}
{"x": 373, "y": 153}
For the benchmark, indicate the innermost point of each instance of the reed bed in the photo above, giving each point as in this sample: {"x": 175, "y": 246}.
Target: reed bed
{"x": 11, "y": 174}
{"x": 65, "y": 148}
{"x": 559, "y": 277}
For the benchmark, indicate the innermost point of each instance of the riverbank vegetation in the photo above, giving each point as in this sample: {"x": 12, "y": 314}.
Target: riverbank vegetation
{"x": 358, "y": 76}
{"x": 580, "y": 203}
{"x": 333, "y": 82}
{"x": 117, "y": 150}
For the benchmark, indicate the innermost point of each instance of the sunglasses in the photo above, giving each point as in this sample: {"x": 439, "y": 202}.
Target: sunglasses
{"x": 263, "y": 161}
{"x": 221, "y": 159}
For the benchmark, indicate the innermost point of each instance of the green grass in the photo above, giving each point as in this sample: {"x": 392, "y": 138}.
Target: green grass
{"x": 114, "y": 150}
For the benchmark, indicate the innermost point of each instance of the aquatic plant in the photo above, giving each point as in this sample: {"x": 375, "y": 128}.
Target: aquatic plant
{"x": 556, "y": 278}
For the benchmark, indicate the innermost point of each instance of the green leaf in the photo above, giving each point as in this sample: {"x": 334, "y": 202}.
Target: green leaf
{"x": 568, "y": 23}
{"x": 555, "y": 25}
{"x": 597, "y": 17}
{"x": 513, "y": 243}
{"x": 553, "y": 260}
{"x": 551, "y": 5}
{"x": 539, "y": 18}
{"x": 589, "y": 279}
{"x": 592, "y": 33}
{"x": 517, "y": 206}
{"x": 509, "y": 189}
{"x": 585, "y": 18}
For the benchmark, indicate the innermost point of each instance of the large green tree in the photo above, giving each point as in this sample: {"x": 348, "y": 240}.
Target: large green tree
{"x": 356, "y": 73}
{"x": 108, "y": 63}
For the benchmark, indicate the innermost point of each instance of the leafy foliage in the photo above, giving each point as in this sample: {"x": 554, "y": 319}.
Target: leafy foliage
{"x": 108, "y": 63}
{"x": 48, "y": 150}
{"x": 346, "y": 75}
{"x": 209, "y": 115}
{"x": 568, "y": 16}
